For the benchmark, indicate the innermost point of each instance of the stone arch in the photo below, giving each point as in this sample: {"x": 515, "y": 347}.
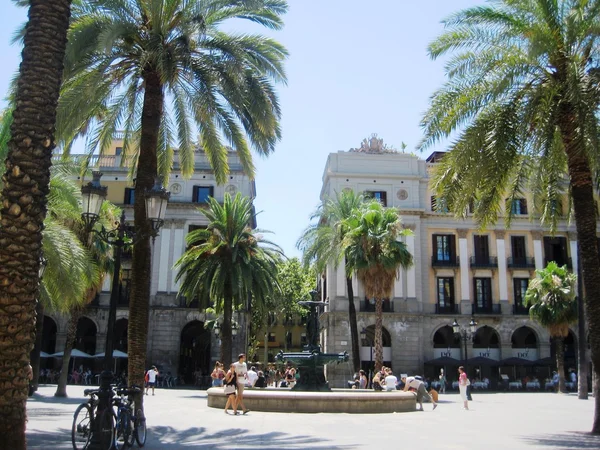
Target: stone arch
{"x": 85, "y": 338}
{"x": 49, "y": 332}
{"x": 194, "y": 352}
{"x": 369, "y": 339}
{"x": 444, "y": 337}
{"x": 367, "y": 349}
{"x": 524, "y": 337}
{"x": 120, "y": 334}
{"x": 486, "y": 337}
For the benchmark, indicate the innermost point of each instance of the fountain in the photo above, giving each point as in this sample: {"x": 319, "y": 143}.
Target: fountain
{"x": 311, "y": 362}
{"x": 312, "y": 393}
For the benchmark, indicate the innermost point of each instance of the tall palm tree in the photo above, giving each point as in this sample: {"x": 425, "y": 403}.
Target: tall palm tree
{"x": 159, "y": 69}
{"x": 321, "y": 243}
{"x": 551, "y": 297}
{"x": 522, "y": 102}
{"x": 227, "y": 262}
{"x": 376, "y": 253}
{"x": 24, "y": 205}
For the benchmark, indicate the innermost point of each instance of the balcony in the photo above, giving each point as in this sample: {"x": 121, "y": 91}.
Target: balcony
{"x": 560, "y": 262}
{"x": 520, "y": 310}
{"x": 478, "y": 262}
{"x": 367, "y": 306}
{"x": 447, "y": 309}
{"x": 490, "y": 308}
{"x": 521, "y": 263}
{"x": 452, "y": 261}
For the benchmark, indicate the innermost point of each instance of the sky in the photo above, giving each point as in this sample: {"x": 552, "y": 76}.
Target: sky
{"x": 355, "y": 68}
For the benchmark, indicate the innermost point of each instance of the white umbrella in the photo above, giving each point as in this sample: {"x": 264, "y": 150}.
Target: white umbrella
{"x": 44, "y": 355}
{"x": 116, "y": 354}
{"x": 74, "y": 354}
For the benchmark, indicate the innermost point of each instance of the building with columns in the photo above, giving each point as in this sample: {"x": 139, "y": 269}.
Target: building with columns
{"x": 178, "y": 341}
{"x": 460, "y": 271}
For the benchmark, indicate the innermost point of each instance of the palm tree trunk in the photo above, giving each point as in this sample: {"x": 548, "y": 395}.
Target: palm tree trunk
{"x": 582, "y": 194}
{"x": 24, "y": 206}
{"x": 559, "y": 345}
{"x": 226, "y": 338}
{"x": 353, "y": 325}
{"x": 378, "y": 334}
{"x": 37, "y": 348}
{"x": 139, "y": 303}
{"x": 582, "y": 369}
{"x": 61, "y": 389}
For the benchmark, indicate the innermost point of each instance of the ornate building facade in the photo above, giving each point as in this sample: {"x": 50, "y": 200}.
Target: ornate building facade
{"x": 459, "y": 272}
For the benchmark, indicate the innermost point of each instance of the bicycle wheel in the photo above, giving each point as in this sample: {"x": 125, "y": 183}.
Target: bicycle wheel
{"x": 123, "y": 430}
{"x": 81, "y": 431}
{"x": 140, "y": 428}
{"x": 107, "y": 426}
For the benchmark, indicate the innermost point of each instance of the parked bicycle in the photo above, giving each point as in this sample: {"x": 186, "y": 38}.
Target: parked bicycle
{"x": 129, "y": 426}
{"x": 84, "y": 423}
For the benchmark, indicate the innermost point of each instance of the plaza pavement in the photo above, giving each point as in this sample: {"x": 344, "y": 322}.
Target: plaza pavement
{"x": 180, "y": 420}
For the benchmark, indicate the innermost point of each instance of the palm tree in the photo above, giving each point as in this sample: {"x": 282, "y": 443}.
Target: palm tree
{"x": 551, "y": 297}
{"x": 227, "y": 262}
{"x": 375, "y": 252}
{"x": 521, "y": 101}
{"x": 159, "y": 69}
{"x": 321, "y": 243}
{"x": 24, "y": 205}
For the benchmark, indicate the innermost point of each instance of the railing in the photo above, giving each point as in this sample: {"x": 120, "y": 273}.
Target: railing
{"x": 521, "y": 263}
{"x": 453, "y": 261}
{"x": 490, "y": 308}
{"x": 520, "y": 310}
{"x": 489, "y": 262}
{"x": 568, "y": 262}
{"x": 367, "y": 306}
{"x": 447, "y": 309}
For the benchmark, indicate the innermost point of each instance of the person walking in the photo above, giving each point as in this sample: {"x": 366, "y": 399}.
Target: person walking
{"x": 419, "y": 386}
{"x": 151, "y": 374}
{"x": 217, "y": 375}
{"x": 230, "y": 386}
{"x": 463, "y": 383}
{"x": 241, "y": 372}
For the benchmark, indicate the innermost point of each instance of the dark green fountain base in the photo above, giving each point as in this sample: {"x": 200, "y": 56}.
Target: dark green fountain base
{"x": 311, "y": 366}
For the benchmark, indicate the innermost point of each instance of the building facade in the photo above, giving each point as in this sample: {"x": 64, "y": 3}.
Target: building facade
{"x": 177, "y": 341}
{"x": 459, "y": 272}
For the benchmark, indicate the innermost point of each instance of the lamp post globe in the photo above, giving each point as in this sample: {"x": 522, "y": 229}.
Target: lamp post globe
{"x": 157, "y": 199}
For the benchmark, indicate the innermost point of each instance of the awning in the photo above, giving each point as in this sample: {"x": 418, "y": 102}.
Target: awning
{"x": 74, "y": 354}
{"x": 116, "y": 354}
{"x": 516, "y": 362}
{"x": 482, "y": 361}
{"x": 443, "y": 361}
{"x": 545, "y": 362}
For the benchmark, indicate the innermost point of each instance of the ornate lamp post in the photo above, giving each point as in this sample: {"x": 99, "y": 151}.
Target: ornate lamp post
{"x": 93, "y": 195}
{"x": 466, "y": 335}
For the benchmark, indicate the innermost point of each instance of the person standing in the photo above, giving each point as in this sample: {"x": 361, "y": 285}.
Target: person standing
{"x": 152, "y": 374}
{"x": 419, "y": 386}
{"x": 241, "y": 372}
{"x": 442, "y": 382}
{"x": 463, "y": 383}
{"x": 217, "y": 375}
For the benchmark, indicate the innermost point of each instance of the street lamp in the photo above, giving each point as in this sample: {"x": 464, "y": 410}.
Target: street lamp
{"x": 466, "y": 334}
{"x": 93, "y": 195}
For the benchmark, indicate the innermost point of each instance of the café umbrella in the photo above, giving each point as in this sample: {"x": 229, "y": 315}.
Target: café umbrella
{"x": 116, "y": 354}
{"x": 74, "y": 355}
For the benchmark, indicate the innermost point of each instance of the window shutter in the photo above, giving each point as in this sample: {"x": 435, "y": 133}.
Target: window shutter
{"x": 523, "y": 206}
{"x": 195, "y": 194}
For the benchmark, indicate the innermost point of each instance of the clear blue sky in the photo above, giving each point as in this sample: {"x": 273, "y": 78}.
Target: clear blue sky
{"x": 355, "y": 68}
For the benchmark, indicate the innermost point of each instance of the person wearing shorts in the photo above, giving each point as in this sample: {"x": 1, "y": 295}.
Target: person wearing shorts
{"x": 152, "y": 374}
{"x": 241, "y": 372}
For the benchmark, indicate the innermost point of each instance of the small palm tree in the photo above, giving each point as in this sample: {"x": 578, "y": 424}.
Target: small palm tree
{"x": 227, "y": 262}
{"x": 375, "y": 251}
{"x": 321, "y": 243}
{"x": 160, "y": 70}
{"x": 551, "y": 297}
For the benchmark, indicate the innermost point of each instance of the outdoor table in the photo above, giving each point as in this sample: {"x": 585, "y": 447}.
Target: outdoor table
{"x": 549, "y": 386}
{"x": 533, "y": 385}
{"x": 455, "y": 385}
{"x": 436, "y": 385}
{"x": 515, "y": 385}
{"x": 480, "y": 385}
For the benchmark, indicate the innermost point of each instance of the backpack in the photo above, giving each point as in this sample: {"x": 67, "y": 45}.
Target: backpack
{"x": 146, "y": 377}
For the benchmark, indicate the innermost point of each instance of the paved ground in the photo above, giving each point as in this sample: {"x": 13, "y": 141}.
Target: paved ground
{"x": 180, "y": 420}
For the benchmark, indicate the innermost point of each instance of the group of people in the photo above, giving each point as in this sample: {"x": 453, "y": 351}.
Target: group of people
{"x": 81, "y": 375}
{"x": 259, "y": 378}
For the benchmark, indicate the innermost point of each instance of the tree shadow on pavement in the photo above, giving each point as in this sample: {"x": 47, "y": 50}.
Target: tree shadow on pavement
{"x": 37, "y": 398}
{"x": 571, "y": 440}
{"x": 169, "y": 438}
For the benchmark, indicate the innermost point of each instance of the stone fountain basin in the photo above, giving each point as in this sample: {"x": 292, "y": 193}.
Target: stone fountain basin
{"x": 353, "y": 401}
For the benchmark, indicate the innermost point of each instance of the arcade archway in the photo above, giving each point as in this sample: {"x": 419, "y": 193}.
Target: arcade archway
{"x": 85, "y": 339}
{"x": 367, "y": 349}
{"x": 194, "y": 354}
